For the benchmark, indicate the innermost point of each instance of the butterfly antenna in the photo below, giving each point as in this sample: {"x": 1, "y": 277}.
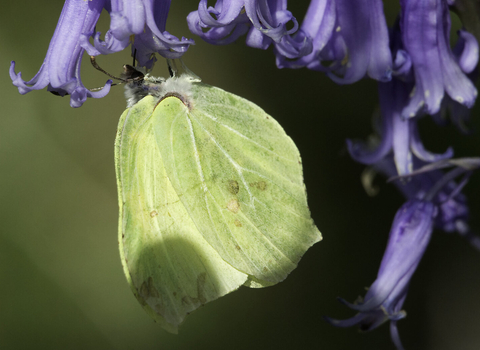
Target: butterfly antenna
{"x": 188, "y": 72}
{"x": 130, "y": 74}
{"x": 172, "y": 67}
{"x": 173, "y": 70}
{"x": 96, "y": 66}
{"x": 134, "y": 57}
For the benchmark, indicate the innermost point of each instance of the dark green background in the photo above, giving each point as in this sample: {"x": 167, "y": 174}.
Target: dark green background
{"x": 61, "y": 281}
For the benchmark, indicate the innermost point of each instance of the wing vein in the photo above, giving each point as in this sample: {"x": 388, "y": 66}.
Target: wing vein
{"x": 239, "y": 170}
{"x": 247, "y": 138}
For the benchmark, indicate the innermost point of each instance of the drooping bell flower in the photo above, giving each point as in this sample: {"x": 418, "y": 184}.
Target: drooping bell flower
{"x": 398, "y": 134}
{"x": 266, "y": 22}
{"x": 350, "y": 41}
{"x": 60, "y": 71}
{"x": 409, "y": 237}
{"x": 425, "y": 31}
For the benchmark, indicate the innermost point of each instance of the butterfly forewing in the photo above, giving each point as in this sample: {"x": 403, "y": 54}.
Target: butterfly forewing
{"x": 239, "y": 177}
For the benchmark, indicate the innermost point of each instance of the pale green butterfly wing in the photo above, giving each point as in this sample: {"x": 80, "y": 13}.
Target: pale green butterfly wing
{"x": 240, "y": 179}
{"x": 170, "y": 267}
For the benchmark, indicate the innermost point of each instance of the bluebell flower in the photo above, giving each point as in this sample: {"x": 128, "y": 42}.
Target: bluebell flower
{"x": 424, "y": 68}
{"x": 466, "y": 51}
{"x": 60, "y": 71}
{"x": 398, "y": 134}
{"x": 318, "y": 24}
{"x": 350, "y": 40}
{"x": 425, "y": 30}
{"x": 434, "y": 200}
{"x": 265, "y": 22}
{"x": 409, "y": 237}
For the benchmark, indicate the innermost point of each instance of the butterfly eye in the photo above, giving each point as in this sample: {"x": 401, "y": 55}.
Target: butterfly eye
{"x": 131, "y": 74}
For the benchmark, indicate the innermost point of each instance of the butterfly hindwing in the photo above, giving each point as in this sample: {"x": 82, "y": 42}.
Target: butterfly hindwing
{"x": 171, "y": 268}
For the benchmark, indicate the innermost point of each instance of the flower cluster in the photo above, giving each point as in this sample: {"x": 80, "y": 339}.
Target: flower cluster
{"x": 418, "y": 74}
{"x": 60, "y": 71}
{"x": 265, "y": 22}
{"x": 433, "y": 200}
{"x": 417, "y": 70}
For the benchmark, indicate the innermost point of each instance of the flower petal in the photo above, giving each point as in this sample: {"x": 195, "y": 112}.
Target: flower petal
{"x": 318, "y": 24}
{"x": 127, "y": 17}
{"x": 419, "y": 150}
{"x": 457, "y": 84}
{"x": 363, "y": 26}
{"x": 467, "y": 51}
{"x": 395, "y": 336}
{"x": 156, "y": 39}
{"x": 226, "y": 12}
{"x": 425, "y": 30}
{"x": 60, "y": 69}
{"x": 265, "y": 21}
{"x": 409, "y": 237}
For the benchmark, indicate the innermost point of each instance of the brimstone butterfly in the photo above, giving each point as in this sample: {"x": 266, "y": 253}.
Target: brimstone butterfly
{"x": 211, "y": 196}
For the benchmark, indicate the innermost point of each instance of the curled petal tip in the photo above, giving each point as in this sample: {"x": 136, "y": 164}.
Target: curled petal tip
{"x": 103, "y": 91}
{"x": 350, "y": 305}
{"x": 332, "y": 321}
{"x": 468, "y": 57}
{"x": 398, "y": 315}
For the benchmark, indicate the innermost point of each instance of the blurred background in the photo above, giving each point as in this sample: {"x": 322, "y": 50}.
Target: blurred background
{"x": 61, "y": 280}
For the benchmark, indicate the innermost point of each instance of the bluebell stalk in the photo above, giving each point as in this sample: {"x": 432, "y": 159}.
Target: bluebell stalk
{"x": 60, "y": 71}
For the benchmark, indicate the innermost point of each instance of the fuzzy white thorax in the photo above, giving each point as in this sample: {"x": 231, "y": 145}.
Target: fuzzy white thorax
{"x": 159, "y": 87}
